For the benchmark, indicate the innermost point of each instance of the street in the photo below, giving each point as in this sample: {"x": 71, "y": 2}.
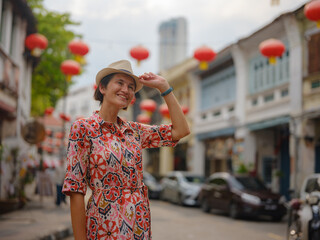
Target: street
{"x": 173, "y": 222}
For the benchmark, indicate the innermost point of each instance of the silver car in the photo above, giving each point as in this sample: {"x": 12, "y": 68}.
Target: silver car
{"x": 182, "y": 187}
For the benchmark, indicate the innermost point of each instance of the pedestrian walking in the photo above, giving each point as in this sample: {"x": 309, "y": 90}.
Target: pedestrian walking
{"x": 59, "y": 174}
{"x": 105, "y": 153}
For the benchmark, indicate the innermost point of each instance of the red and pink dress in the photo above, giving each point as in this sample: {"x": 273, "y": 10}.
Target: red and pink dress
{"x": 108, "y": 159}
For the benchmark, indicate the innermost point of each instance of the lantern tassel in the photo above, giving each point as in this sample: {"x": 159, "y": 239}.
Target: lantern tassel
{"x": 149, "y": 113}
{"x": 203, "y": 65}
{"x": 138, "y": 63}
{"x": 318, "y": 24}
{"x": 69, "y": 78}
{"x": 272, "y": 60}
{"x": 80, "y": 59}
{"x": 36, "y": 52}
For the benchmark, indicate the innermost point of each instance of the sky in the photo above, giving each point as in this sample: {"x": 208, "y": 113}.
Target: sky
{"x": 112, "y": 27}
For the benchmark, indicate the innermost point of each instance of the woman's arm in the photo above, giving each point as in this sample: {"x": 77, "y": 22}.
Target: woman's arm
{"x": 78, "y": 215}
{"x": 180, "y": 127}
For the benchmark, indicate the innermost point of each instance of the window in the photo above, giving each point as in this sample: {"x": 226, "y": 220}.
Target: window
{"x": 315, "y": 84}
{"x": 268, "y": 98}
{"x": 264, "y": 76}
{"x": 254, "y": 102}
{"x": 216, "y": 114}
{"x": 284, "y": 92}
{"x": 2, "y": 19}
{"x": 314, "y": 53}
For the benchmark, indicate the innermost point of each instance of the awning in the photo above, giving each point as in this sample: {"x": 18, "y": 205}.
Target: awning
{"x": 217, "y": 133}
{"x": 268, "y": 123}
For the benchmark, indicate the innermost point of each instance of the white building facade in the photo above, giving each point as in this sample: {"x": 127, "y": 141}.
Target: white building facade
{"x": 248, "y": 111}
{"x": 16, "y": 64}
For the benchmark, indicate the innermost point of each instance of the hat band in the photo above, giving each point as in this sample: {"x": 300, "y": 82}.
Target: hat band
{"x": 124, "y": 70}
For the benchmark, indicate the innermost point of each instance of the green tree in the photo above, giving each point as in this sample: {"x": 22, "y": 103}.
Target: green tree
{"x": 48, "y": 83}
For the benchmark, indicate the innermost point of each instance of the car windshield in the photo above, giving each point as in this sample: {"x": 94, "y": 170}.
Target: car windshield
{"x": 249, "y": 183}
{"x": 312, "y": 185}
{"x": 195, "y": 179}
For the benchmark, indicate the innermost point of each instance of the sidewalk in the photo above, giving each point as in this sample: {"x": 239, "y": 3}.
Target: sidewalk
{"x": 37, "y": 220}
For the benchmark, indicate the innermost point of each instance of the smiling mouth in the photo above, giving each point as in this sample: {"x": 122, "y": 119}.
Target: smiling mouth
{"x": 123, "y": 97}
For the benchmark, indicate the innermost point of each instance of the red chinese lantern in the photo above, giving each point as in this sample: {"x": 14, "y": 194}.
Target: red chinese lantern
{"x": 65, "y": 117}
{"x": 148, "y": 105}
{"x": 272, "y": 48}
{"x": 143, "y": 118}
{"x": 95, "y": 86}
{"x": 185, "y": 109}
{"x": 312, "y": 11}
{"x": 164, "y": 110}
{"x": 49, "y": 111}
{"x": 70, "y": 68}
{"x": 133, "y": 100}
{"x": 204, "y": 54}
{"x": 139, "y": 53}
{"x": 79, "y": 49}
{"x": 36, "y": 43}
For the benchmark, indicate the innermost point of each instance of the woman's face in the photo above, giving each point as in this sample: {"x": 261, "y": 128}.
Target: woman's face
{"x": 119, "y": 91}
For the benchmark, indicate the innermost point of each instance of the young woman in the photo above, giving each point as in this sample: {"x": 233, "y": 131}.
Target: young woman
{"x": 105, "y": 153}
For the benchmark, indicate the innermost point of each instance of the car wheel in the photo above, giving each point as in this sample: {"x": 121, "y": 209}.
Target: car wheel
{"x": 234, "y": 210}
{"x": 205, "y": 206}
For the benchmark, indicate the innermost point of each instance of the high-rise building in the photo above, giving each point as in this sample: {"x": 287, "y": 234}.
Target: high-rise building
{"x": 173, "y": 42}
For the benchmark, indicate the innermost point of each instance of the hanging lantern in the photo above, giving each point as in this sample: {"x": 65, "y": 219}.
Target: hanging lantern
{"x": 70, "y": 68}
{"x": 185, "y": 109}
{"x": 79, "y": 49}
{"x": 204, "y": 54}
{"x": 65, "y": 117}
{"x": 148, "y": 105}
{"x": 271, "y": 49}
{"x": 143, "y": 118}
{"x": 133, "y": 100}
{"x": 164, "y": 110}
{"x": 139, "y": 53}
{"x": 312, "y": 11}
{"x": 36, "y": 43}
{"x": 49, "y": 111}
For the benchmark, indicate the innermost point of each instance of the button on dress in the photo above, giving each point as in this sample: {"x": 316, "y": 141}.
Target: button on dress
{"x": 108, "y": 159}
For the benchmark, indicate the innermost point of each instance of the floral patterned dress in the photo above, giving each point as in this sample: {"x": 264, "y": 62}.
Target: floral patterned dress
{"x": 108, "y": 159}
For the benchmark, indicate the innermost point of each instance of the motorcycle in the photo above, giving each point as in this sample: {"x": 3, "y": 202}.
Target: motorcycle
{"x": 294, "y": 221}
{"x": 313, "y": 200}
{"x": 304, "y": 218}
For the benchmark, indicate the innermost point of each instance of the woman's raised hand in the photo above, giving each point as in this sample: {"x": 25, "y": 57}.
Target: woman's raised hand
{"x": 154, "y": 81}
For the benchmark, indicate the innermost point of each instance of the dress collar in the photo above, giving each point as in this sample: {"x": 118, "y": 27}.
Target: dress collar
{"x": 122, "y": 124}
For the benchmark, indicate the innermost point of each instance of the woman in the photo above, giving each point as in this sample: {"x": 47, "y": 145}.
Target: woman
{"x": 105, "y": 152}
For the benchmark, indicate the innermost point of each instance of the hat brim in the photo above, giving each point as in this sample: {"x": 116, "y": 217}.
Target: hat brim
{"x": 107, "y": 71}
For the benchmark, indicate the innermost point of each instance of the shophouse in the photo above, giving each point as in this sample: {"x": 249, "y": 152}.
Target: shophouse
{"x": 247, "y": 106}
{"x": 182, "y": 156}
{"x": 214, "y": 115}
{"x": 16, "y": 64}
{"x": 306, "y": 142}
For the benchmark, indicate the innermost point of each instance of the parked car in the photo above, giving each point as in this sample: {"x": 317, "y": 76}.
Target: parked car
{"x": 182, "y": 187}
{"x": 154, "y": 187}
{"x": 241, "y": 195}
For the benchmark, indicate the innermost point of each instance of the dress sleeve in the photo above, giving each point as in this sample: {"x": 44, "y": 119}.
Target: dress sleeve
{"x": 154, "y": 136}
{"x": 77, "y": 159}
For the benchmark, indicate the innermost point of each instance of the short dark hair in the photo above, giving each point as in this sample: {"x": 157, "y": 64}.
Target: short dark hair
{"x": 104, "y": 82}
